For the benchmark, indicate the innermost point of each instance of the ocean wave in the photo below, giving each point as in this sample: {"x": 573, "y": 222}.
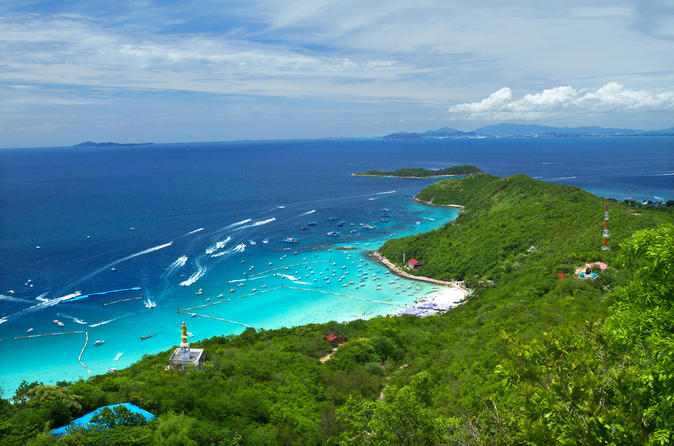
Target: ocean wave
{"x": 385, "y": 193}
{"x": 101, "y": 293}
{"x": 17, "y": 299}
{"x": 373, "y": 198}
{"x": 195, "y": 231}
{"x": 564, "y": 178}
{"x": 45, "y": 303}
{"x": 196, "y": 276}
{"x": 178, "y": 263}
{"x": 664, "y": 174}
{"x": 264, "y": 222}
{"x": 308, "y": 212}
{"x": 72, "y": 318}
{"x": 140, "y": 253}
{"x": 123, "y": 259}
{"x": 241, "y": 247}
{"x": 239, "y": 223}
{"x": 218, "y": 245}
{"x": 257, "y": 223}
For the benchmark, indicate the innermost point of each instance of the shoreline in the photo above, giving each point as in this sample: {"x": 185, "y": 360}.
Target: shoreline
{"x": 399, "y": 272}
{"x": 356, "y": 174}
{"x": 430, "y": 203}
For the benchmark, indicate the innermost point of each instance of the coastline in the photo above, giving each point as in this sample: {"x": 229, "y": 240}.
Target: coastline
{"x": 430, "y": 203}
{"x": 376, "y": 255}
{"x": 453, "y": 294}
{"x": 356, "y": 174}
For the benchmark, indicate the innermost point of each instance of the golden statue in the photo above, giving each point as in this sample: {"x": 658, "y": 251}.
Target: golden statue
{"x": 184, "y": 329}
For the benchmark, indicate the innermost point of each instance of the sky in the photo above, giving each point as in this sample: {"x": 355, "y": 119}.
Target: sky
{"x": 178, "y": 71}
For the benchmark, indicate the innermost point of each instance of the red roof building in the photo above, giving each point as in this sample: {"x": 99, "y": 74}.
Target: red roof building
{"x": 414, "y": 264}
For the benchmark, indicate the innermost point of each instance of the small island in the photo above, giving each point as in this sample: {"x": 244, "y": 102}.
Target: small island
{"x": 111, "y": 144}
{"x": 418, "y": 172}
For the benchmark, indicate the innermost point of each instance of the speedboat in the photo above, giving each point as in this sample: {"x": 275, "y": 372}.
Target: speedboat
{"x": 369, "y": 227}
{"x": 333, "y": 233}
{"x": 201, "y": 291}
{"x": 112, "y": 369}
{"x": 98, "y": 342}
{"x": 341, "y": 223}
{"x": 58, "y": 322}
{"x": 291, "y": 240}
{"x": 312, "y": 223}
{"x": 30, "y": 330}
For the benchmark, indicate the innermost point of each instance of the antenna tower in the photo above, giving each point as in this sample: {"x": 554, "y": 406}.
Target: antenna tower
{"x": 606, "y": 232}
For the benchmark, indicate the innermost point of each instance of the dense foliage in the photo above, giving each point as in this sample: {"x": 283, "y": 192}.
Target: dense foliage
{"x": 418, "y": 172}
{"x": 529, "y": 358}
{"x": 504, "y": 217}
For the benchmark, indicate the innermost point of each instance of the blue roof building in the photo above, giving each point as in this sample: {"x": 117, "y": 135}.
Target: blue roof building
{"x": 86, "y": 419}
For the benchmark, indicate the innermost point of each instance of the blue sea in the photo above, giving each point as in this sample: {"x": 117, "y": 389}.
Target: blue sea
{"x": 116, "y": 241}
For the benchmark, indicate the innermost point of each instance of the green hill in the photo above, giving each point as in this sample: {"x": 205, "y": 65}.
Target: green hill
{"x": 504, "y": 217}
{"x": 418, "y": 172}
{"x": 527, "y": 359}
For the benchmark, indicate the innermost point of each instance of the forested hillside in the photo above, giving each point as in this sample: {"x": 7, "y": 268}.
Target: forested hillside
{"x": 418, "y": 172}
{"x": 504, "y": 217}
{"x": 529, "y": 358}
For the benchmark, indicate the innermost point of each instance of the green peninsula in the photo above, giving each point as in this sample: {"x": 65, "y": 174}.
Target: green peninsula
{"x": 417, "y": 172}
{"x": 533, "y": 356}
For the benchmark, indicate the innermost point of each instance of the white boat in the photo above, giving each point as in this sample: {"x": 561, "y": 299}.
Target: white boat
{"x": 112, "y": 369}
{"x": 99, "y": 342}
{"x": 201, "y": 291}
{"x": 30, "y": 330}
{"x": 58, "y": 322}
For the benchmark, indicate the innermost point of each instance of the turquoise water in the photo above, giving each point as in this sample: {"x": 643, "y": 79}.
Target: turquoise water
{"x": 149, "y": 226}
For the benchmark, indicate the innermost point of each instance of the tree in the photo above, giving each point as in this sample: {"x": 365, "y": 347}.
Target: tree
{"x": 119, "y": 416}
{"x": 402, "y": 417}
{"x": 602, "y": 383}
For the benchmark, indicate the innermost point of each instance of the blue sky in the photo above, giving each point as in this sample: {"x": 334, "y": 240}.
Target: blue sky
{"x": 256, "y": 69}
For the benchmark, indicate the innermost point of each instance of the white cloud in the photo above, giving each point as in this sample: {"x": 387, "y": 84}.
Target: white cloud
{"x": 495, "y": 101}
{"x": 612, "y": 97}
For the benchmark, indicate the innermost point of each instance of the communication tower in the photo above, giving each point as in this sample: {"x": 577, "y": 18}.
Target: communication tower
{"x": 606, "y": 232}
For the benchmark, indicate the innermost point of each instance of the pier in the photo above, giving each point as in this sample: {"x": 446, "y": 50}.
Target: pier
{"x": 79, "y": 359}
{"x": 121, "y": 300}
{"x": 49, "y": 334}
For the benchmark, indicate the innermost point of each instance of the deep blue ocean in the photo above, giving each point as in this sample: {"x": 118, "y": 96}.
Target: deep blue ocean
{"x": 161, "y": 222}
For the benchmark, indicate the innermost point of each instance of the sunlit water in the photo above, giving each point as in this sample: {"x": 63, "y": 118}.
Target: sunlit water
{"x": 163, "y": 222}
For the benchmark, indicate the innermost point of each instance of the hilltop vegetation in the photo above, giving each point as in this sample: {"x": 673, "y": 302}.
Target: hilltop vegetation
{"x": 504, "y": 217}
{"x": 527, "y": 359}
{"x": 418, "y": 172}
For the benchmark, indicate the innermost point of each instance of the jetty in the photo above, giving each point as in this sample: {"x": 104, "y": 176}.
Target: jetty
{"x": 122, "y": 300}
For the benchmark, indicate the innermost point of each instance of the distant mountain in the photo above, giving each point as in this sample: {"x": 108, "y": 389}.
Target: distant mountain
{"x": 110, "y": 144}
{"x": 529, "y": 130}
{"x": 444, "y": 132}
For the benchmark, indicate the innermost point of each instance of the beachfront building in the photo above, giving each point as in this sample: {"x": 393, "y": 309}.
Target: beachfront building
{"x": 184, "y": 355}
{"x": 414, "y": 264}
{"x": 335, "y": 340}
